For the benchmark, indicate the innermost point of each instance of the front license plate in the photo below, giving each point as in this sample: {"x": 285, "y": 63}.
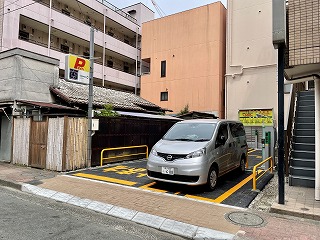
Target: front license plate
{"x": 167, "y": 170}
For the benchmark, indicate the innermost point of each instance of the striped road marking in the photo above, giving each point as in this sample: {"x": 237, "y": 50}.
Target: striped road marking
{"x": 106, "y": 179}
{"x": 251, "y": 151}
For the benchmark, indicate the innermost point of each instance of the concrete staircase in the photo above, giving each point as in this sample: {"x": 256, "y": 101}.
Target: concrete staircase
{"x": 302, "y": 161}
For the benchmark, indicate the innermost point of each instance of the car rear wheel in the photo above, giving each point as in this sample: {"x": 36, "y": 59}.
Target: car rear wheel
{"x": 212, "y": 178}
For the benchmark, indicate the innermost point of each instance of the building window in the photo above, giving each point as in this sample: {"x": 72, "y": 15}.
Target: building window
{"x": 24, "y": 35}
{"x": 64, "y": 48}
{"x": 164, "y": 96}
{"x": 163, "y": 68}
{"x": 109, "y": 64}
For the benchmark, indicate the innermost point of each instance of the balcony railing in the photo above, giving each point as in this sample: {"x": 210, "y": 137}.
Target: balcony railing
{"x": 97, "y": 61}
{"x": 88, "y": 22}
{"x": 118, "y": 10}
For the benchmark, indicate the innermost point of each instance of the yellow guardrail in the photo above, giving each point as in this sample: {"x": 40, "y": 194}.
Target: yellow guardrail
{"x": 258, "y": 174}
{"x": 125, "y": 155}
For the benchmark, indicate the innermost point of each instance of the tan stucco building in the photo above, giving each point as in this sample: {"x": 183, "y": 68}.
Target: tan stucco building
{"x": 184, "y": 60}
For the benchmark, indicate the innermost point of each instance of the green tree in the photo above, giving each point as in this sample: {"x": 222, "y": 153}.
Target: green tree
{"x": 184, "y": 110}
{"x": 108, "y": 111}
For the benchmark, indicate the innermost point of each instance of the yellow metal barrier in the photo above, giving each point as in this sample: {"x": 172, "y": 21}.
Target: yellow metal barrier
{"x": 126, "y": 155}
{"x": 257, "y": 175}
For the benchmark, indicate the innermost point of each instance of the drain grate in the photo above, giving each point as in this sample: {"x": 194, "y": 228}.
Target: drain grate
{"x": 245, "y": 219}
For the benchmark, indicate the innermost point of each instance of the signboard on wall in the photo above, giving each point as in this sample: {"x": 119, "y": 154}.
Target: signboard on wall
{"x": 77, "y": 69}
{"x": 256, "y": 117}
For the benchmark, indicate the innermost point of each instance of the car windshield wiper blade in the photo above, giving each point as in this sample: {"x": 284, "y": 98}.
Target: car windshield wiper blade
{"x": 182, "y": 139}
{"x": 202, "y": 140}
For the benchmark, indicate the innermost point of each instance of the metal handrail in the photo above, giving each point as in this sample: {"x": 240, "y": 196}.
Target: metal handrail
{"x": 257, "y": 175}
{"x": 126, "y": 155}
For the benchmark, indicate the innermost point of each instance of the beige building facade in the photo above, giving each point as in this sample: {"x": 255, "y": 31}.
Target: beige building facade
{"x": 183, "y": 60}
{"x": 251, "y": 64}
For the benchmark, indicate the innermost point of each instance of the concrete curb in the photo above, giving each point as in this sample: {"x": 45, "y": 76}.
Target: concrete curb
{"x": 168, "y": 225}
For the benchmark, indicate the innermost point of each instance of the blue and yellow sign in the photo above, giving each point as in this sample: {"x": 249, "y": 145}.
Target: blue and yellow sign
{"x": 256, "y": 117}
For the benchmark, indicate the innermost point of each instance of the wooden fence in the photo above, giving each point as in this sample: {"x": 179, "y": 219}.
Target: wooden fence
{"x": 60, "y": 143}
{"x": 64, "y": 146}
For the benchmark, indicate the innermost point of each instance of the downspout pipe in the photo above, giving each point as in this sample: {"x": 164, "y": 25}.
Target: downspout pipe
{"x": 104, "y": 46}
{"x": 50, "y": 21}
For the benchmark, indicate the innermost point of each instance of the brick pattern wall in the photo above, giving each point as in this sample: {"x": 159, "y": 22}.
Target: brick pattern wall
{"x": 304, "y": 32}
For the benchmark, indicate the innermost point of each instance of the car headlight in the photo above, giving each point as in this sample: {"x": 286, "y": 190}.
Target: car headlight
{"x": 197, "y": 153}
{"x": 154, "y": 152}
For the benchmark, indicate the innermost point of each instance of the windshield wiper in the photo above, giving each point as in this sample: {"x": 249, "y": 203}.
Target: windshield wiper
{"x": 202, "y": 140}
{"x": 182, "y": 139}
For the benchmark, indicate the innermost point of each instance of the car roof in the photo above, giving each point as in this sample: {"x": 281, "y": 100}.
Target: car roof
{"x": 207, "y": 121}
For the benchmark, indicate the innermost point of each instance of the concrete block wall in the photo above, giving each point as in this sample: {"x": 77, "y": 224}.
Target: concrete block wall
{"x": 27, "y": 76}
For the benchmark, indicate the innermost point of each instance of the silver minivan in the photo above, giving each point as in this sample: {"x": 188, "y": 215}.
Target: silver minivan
{"x": 196, "y": 152}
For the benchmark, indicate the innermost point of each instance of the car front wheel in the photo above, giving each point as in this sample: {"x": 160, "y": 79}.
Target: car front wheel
{"x": 212, "y": 178}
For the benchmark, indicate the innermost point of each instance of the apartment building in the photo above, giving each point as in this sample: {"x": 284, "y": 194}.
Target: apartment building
{"x": 183, "y": 60}
{"x": 55, "y": 28}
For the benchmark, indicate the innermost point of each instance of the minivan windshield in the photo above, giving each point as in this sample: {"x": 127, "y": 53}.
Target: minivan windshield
{"x": 195, "y": 132}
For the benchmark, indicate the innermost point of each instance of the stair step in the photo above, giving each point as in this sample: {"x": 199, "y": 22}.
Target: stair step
{"x": 305, "y": 114}
{"x": 306, "y": 93}
{"x": 304, "y": 146}
{"x": 303, "y": 154}
{"x": 302, "y": 171}
{"x": 304, "y": 132}
{"x": 304, "y": 139}
{"x": 306, "y": 97}
{"x": 301, "y": 181}
{"x": 306, "y": 126}
{"x": 305, "y": 120}
{"x": 305, "y": 103}
{"x": 301, "y": 162}
{"x": 300, "y": 108}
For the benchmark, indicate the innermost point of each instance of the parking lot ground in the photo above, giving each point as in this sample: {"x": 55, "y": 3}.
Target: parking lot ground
{"x": 232, "y": 189}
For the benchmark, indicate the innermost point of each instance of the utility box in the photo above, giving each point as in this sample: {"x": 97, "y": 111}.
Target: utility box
{"x": 95, "y": 125}
{"x": 278, "y": 22}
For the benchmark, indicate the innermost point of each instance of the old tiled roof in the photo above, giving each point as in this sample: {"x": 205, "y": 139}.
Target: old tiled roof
{"x": 75, "y": 93}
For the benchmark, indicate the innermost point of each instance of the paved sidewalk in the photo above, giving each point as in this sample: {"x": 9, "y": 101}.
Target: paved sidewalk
{"x": 185, "y": 217}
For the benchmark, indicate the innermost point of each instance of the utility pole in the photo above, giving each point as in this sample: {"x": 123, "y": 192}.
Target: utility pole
{"x": 90, "y": 98}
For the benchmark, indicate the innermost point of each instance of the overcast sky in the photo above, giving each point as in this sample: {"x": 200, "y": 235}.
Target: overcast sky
{"x": 168, "y": 6}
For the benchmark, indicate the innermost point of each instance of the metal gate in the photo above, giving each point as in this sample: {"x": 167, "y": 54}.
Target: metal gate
{"x": 38, "y": 143}
{"x": 254, "y": 136}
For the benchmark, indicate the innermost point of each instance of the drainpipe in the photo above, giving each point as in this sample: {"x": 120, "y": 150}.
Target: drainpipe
{"x": 50, "y": 20}
{"x": 317, "y": 137}
{"x": 135, "y": 85}
{"x": 104, "y": 46}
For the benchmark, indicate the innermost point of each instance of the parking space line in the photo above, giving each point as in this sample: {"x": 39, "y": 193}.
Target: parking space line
{"x": 252, "y": 151}
{"x": 148, "y": 187}
{"x": 233, "y": 189}
{"x": 106, "y": 179}
{"x": 200, "y": 198}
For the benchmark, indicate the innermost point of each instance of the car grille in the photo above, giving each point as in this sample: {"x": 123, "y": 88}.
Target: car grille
{"x": 172, "y": 158}
{"x": 180, "y": 178}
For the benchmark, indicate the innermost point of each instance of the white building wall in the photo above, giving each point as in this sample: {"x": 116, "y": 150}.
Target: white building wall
{"x": 251, "y": 65}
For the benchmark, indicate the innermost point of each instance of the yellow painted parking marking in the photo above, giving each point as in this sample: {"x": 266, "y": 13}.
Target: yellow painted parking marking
{"x": 176, "y": 193}
{"x": 148, "y": 187}
{"x": 252, "y": 151}
{"x": 227, "y": 194}
{"x": 233, "y": 189}
{"x": 106, "y": 179}
{"x": 200, "y": 198}
{"x": 258, "y": 156}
